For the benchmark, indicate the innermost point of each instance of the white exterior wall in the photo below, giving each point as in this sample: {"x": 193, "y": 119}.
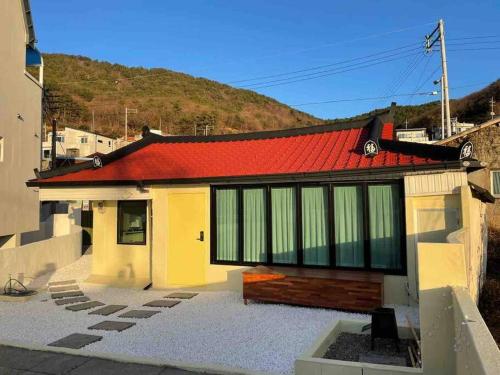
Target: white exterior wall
{"x": 20, "y": 125}
{"x": 73, "y": 140}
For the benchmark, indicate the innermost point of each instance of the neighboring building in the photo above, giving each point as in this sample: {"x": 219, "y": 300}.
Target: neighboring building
{"x": 486, "y": 140}
{"x": 34, "y": 240}
{"x": 180, "y": 211}
{"x": 456, "y": 128}
{"x": 20, "y": 120}
{"x": 75, "y": 143}
{"x": 418, "y": 135}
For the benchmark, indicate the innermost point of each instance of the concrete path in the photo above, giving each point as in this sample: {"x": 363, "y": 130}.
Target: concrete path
{"x": 17, "y": 361}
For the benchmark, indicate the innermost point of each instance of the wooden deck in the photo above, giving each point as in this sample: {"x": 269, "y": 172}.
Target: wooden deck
{"x": 339, "y": 289}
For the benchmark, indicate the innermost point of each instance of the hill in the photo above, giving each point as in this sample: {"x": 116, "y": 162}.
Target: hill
{"x": 78, "y": 86}
{"x": 474, "y": 108}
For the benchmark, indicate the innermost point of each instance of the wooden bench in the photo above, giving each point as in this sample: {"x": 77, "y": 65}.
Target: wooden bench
{"x": 338, "y": 289}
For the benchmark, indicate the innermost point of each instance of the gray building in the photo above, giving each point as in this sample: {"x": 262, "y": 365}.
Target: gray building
{"x": 21, "y": 80}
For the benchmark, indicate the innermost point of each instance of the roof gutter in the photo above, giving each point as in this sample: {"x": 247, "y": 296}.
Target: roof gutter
{"x": 355, "y": 174}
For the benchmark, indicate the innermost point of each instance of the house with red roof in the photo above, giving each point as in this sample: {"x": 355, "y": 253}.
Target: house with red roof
{"x": 347, "y": 198}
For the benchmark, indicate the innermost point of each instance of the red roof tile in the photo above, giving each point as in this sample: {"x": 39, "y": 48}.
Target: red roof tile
{"x": 318, "y": 150}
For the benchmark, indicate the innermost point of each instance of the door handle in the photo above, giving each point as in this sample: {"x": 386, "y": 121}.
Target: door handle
{"x": 202, "y": 236}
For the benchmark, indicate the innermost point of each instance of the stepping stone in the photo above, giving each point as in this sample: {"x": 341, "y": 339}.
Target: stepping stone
{"x": 67, "y": 301}
{"x": 76, "y": 293}
{"x": 108, "y": 310}
{"x": 139, "y": 314}
{"x": 161, "y": 303}
{"x": 76, "y": 341}
{"x": 84, "y": 306}
{"x": 182, "y": 295}
{"x": 66, "y": 282}
{"x": 63, "y": 288}
{"x": 109, "y": 325}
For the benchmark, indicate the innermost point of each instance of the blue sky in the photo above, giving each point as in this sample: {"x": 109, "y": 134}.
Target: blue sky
{"x": 229, "y": 41}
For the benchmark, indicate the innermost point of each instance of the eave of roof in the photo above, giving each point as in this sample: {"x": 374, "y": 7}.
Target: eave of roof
{"x": 416, "y": 157}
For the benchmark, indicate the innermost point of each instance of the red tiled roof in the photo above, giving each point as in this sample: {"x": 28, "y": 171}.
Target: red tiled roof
{"x": 322, "y": 150}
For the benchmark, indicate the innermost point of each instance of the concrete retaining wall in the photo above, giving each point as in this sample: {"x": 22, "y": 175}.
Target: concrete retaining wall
{"x": 39, "y": 258}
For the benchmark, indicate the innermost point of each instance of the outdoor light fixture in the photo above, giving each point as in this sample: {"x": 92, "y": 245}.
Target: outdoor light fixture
{"x": 100, "y": 207}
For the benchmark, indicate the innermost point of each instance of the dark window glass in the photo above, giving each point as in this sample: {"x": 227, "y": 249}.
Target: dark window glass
{"x": 132, "y": 222}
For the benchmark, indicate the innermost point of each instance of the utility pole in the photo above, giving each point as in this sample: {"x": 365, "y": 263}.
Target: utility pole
{"x": 160, "y": 125}
{"x": 492, "y": 104}
{"x": 445, "y": 88}
{"x": 127, "y": 111}
{"x": 93, "y": 122}
{"x": 53, "y": 158}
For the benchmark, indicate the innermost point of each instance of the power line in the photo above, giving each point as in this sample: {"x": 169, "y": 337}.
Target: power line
{"x": 328, "y": 65}
{"x": 318, "y": 75}
{"x": 382, "y": 97}
{"x": 324, "y": 71}
{"x": 360, "y": 99}
{"x": 474, "y": 37}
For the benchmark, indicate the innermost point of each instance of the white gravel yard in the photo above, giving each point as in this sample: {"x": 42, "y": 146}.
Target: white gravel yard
{"x": 213, "y": 328}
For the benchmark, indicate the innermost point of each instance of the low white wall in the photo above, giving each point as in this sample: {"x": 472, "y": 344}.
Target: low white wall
{"x": 477, "y": 352}
{"x": 39, "y": 258}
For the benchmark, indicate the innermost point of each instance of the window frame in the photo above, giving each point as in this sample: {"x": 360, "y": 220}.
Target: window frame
{"x": 298, "y": 217}
{"x": 492, "y": 171}
{"x": 119, "y": 220}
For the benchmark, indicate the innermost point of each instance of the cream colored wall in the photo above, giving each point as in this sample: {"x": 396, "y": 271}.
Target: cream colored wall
{"x": 440, "y": 266}
{"x": 474, "y": 236}
{"x": 216, "y": 276}
{"x": 454, "y": 338}
{"x": 112, "y": 262}
{"x": 413, "y": 205}
{"x": 19, "y": 95}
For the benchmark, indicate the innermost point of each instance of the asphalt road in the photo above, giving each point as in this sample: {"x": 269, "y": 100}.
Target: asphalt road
{"x": 14, "y": 361}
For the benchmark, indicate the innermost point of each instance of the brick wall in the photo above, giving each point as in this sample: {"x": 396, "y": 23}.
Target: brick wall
{"x": 486, "y": 148}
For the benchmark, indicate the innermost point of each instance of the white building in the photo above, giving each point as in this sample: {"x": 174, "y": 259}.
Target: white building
{"x": 456, "y": 128}
{"x": 418, "y": 135}
{"x": 76, "y": 143}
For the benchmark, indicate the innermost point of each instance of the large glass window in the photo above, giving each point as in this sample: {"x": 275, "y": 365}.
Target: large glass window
{"x": 495, "y": 183}
{"x": 355, "y": 225}
{"x": 132, "y": 222}
{"x": 227, "y": 224}
{"x": 385, "y": 226}
{"x": 315, "y": 233}
{"x": 254, "y": 225}
{"x": 348, "y": 221}
{"x": 284, "y": 225}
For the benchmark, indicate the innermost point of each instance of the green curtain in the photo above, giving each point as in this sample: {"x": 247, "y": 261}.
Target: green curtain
{"x": 254, "y": 225}
{"x": 315, "y": 240}
{"x": 348, "y": 219}
{"x": 385, "y": 226}
{"x": 227, "y": 224}
{"x": 283, "y": 225}
{"x": 496, "y": 182}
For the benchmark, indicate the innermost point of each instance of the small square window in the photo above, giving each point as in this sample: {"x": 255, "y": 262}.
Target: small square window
{"x": 132, "y": 222}
{"x": 46, "y": 154}
{"x": 84, "y": 140}
{"x": 495, "y": 183}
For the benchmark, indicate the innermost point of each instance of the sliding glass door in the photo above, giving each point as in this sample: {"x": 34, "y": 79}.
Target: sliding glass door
{"x": 315, "y": 226}
{"x": 284, "y": 225}
{"x": 348, "y": 222}
{"x": 352, "y": 225}
{"x": 385, "y": 226}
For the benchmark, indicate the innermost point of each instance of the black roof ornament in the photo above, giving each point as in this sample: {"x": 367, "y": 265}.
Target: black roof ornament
{"x": 370, "y": 148}
{"x": 466, "y": 150}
